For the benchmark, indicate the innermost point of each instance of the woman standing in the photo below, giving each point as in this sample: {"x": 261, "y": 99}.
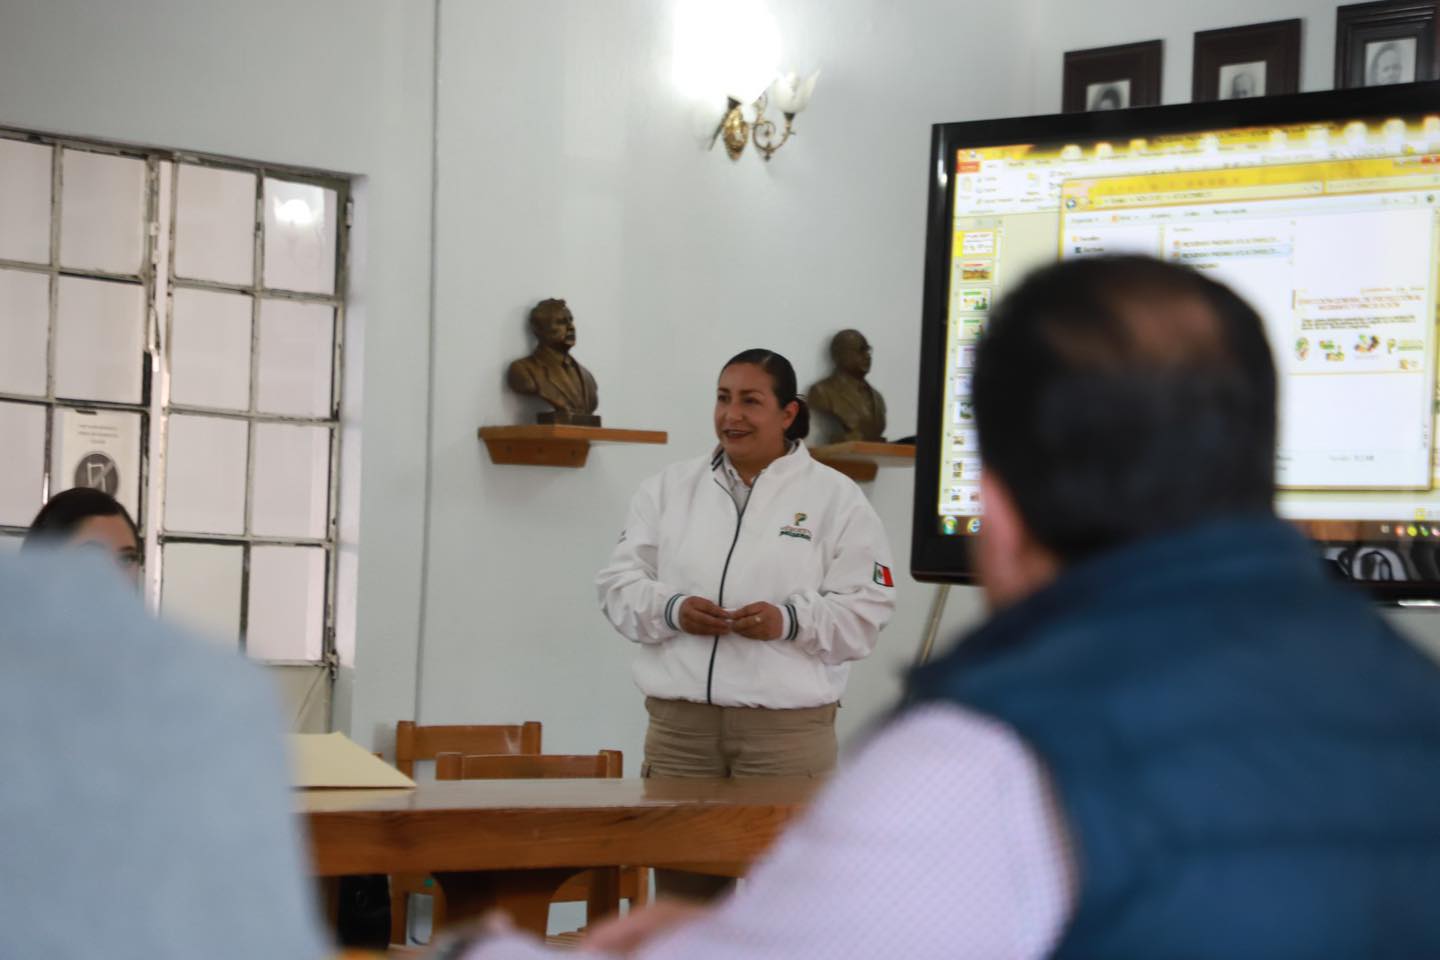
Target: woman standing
{"x": 750, "y": 578}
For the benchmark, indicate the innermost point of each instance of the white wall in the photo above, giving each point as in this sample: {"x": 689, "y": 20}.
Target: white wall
{"x": 570, "y": 166}
{"x": 342, "y": 85}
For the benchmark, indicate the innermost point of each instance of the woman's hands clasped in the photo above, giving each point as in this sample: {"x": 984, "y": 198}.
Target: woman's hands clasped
{"x": 754, "y": 621}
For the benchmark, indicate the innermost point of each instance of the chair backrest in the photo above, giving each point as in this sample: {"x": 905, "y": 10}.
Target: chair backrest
{"x": 416, "y": 742}
{"x": 607, "y": 764}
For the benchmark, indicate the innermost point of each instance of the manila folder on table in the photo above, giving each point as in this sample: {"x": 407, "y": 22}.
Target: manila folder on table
{"x": 334, "y": 760}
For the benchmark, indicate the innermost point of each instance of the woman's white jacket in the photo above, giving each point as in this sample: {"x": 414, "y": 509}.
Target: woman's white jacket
{"x": 807, "y": 541}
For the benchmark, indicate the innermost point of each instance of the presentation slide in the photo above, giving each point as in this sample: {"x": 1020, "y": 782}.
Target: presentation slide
{"x": 1328, "y": 230}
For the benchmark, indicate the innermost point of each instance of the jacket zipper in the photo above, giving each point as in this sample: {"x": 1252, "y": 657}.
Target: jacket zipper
{"x": 724, "y": 572}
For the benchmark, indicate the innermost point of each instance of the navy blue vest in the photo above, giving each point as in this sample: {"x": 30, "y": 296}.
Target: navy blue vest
{"x": 1247, "y": 756}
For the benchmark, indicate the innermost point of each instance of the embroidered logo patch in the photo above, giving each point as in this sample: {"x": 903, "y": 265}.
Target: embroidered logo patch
{"x": 795, "y": 530}
{"x": 882, "y": 575}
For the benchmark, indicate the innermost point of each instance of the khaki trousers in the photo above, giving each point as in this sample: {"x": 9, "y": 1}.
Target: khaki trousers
{"x": 687, "y": 739}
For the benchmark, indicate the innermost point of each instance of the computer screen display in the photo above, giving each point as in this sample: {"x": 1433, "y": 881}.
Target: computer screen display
{"x": 1322, "y": 210}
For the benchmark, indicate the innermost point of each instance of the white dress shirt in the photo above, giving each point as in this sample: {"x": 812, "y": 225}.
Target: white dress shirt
{"x": 939, "y": 838}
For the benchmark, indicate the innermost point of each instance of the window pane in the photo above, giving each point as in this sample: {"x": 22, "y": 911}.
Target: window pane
{"x": 210, "y": 349}
{"x": 102, "y": 212}
{"x": 292, "y": 480}
{"x": 201, "y": 589}
{"x": 215, "y": 225}
{"x": 24, "y": 328}
{"x": 300, "y": 223}
{"x": 286, "y": 612}
{"x": 205, "y": 475}
{"x": 296, "y": 348}
{"x": 100, "y": 449}
{"x": 24, "y": 201}
{"x": 22, "y": 477}
{"x": 99, "y": 340}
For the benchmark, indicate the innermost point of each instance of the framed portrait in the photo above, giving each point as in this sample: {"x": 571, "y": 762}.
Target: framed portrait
{"x": 1112, "y": 78}
{"x": 1250, "y": 61}
{"x": 1395, "y": 41}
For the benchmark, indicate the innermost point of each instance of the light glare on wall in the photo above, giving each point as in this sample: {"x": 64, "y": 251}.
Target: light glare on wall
{"x": 725, "y": 48}
{"x": 731, "y": 49}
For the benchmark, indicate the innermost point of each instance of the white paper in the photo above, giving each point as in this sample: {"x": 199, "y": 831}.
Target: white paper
{"x": 99, "y": 449}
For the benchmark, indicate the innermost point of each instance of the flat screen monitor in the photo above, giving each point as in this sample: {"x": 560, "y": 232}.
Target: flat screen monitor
{"x": 1322, "y": 210}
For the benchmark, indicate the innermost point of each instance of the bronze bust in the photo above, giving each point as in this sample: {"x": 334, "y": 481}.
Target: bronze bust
{"x": 551, "y": 374}
{"x": 852, "y": 409}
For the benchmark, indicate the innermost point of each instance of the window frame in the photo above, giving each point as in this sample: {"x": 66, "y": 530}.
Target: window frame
{"x": 158, "y": 279}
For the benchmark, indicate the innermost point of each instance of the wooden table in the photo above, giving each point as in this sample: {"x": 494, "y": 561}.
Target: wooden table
{"x": 512, "y": 843}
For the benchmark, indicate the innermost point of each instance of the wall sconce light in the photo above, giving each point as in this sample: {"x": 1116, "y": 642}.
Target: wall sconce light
{"x": 789, "y": 94}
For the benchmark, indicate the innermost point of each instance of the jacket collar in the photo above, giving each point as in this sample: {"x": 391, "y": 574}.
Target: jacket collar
{"x": 791, "y": 461}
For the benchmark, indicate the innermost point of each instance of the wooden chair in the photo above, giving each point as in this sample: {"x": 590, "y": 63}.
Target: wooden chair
{"x": 601, "y": 889}
{"x": 415, "y": 742}
{"x": 607, "y": 764}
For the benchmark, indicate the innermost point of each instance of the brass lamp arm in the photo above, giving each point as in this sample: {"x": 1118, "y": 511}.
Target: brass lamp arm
{"x": 764, "y": 134}
{"x": 737, "y": 132}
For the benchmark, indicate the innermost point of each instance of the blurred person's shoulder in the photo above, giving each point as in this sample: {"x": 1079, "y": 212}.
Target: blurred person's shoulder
{"x": 144, "y": 775}
{"x": 67, "y": 620}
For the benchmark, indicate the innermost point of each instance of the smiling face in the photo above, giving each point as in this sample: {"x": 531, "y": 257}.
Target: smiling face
{"x": 749, "y": 421}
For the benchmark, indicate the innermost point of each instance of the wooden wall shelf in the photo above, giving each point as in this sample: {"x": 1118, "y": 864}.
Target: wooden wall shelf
{"x": 860, "y": 460}
{"x": 556, "y": 445}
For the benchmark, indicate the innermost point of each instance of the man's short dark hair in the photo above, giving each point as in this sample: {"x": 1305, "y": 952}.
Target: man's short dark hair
{"x": 1119, "y": 397}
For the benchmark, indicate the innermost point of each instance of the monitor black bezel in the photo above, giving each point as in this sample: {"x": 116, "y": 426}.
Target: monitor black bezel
{"x": 937, "y": 558}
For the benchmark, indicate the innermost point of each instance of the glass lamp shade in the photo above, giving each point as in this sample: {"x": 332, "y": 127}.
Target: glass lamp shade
{"x": 790, "y": 94}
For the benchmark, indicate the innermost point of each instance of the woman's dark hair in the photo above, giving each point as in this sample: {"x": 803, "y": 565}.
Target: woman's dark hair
{"x": 67, "y": 510}
{"x": 782, "y": 381}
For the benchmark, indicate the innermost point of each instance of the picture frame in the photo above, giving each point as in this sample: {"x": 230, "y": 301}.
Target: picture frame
{"x": 1256, "y": 60}
{"x": 1385, "y": 42}
{"x": 1110, "y": 78}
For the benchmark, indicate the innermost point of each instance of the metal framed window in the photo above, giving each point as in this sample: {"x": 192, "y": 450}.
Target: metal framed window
{"x": 176, "y": 336}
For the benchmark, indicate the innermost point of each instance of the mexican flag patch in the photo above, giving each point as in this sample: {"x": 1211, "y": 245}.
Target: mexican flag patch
{"x": 882, "y": 575}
